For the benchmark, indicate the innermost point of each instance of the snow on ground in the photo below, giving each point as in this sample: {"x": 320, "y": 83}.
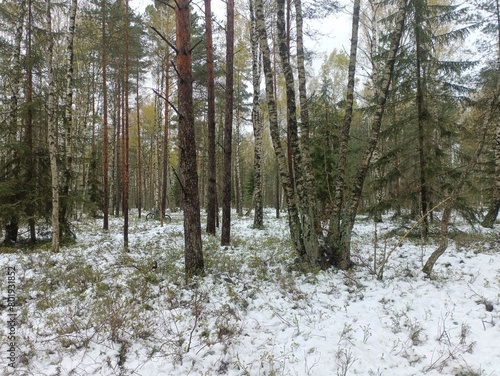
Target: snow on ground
{"x": 94, "y": 309}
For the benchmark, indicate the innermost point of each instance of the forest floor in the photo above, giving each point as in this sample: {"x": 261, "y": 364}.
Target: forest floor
{"x": 94, "y": 309}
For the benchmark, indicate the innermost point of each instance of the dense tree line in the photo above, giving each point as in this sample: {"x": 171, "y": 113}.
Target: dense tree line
{"x": 103, "y": 110}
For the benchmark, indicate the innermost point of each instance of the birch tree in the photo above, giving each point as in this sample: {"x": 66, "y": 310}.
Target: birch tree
{"x": 293, "y": 214}
{"x": 68, "y": 119}
{"x": 300, "y": 158}
{"x": 258, "y": 221}
{"x": 52, "y": 131}
{"x": 343, "y": 217}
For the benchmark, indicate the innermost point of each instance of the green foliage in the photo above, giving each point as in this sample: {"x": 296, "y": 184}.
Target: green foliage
{"x": 446, "y": 101}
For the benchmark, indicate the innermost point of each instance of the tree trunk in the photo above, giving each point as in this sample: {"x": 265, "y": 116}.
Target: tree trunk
{"x": 105, "y": 223}
{"x": 29, "y": 162}
{"x": 277, "y": 188}
{"x": 193, "y": 253}
{"x": 293, "y": 214}
{"x": 228, "y": 128}
{"x": 237, "y": 168}
{"x": 310, "y": 221}
{"x": 117, "y": 178}
{"x": 306, "y": 202}
{"x": 139, "y": 161}
{"x": 492, "y": 214}
{"x": 126, "y": 132}
{"x": 424, "y": 203}
{"x": 164, "y": 190}
{"x": 343, "y": 259}
{"x": 52, "y": 133}
{"x": 212, "y": 159}
{"x": 11, "y": 228}
{"x": 68, "y": 122}
{"x": 340, "y": 236}
{"x": 258, "y": 220}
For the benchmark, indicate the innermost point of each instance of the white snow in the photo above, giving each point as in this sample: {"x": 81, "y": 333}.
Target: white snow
{"x": 94, "y": 309}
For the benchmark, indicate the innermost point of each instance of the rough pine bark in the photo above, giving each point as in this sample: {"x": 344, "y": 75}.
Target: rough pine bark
{"x": 228, "y": 128}
{"x": 212, "y": 159}
{"x": 193, "y": 254}
{"x": 52, "y": 133}
{"x": 258, "y": 219}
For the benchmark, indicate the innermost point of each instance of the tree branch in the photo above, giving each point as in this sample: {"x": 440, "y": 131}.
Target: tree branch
{"x": 175, "y": 68}
{"x": 165, "y": 39}
{"x": 164, "y": 2}
{"x": 196, "y": 45}
{"x": 166, "y": 100}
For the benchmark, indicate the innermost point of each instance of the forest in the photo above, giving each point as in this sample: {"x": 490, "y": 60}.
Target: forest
{"x": 105, "y": 110}
{"x": 170, "y": 141}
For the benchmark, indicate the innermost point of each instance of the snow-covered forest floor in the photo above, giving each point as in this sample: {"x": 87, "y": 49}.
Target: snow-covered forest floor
{"x": 94, "y": 309}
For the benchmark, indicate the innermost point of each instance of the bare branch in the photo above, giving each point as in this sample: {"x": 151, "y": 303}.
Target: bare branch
{"x": 165, "y": 39}
{"x": 166, "y": 100}
{"x": 175, "y": 68}
{"x": 196, "y": 45}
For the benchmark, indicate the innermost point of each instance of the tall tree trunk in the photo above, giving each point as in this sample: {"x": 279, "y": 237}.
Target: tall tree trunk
{"x": 52, "y": 133}
{"x": 212, "y": 159}
{"x": 258, "y": 220}
{"x": 424, "y": 199}
{"x": 334, "y": 236}
{"x": 30, "y": 162}
{"x": 11, "y": 228}
{"x": 193, "y": 253}
{"x": 306, "y": 202}
{"x": 342, "y": 239}
{"x": 105, "y": 162}
{"x": 237, "y": 168}
{"x": 310, "y": 221}
{"x": 492, "y": 214}
{"x": 293, "y": 214}
{"x": 164, "y": 190}
{"x": 126, "y": 132}
{"x": 278, "y": 186}
{"x": 139, "y": 161}
{"x": 228, "y": 128}
{"x": 68, "y": 121}
{"x": 117, "y": 138}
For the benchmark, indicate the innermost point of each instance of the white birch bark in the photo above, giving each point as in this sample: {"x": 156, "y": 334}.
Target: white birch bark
{"x": 52, "y": 132}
